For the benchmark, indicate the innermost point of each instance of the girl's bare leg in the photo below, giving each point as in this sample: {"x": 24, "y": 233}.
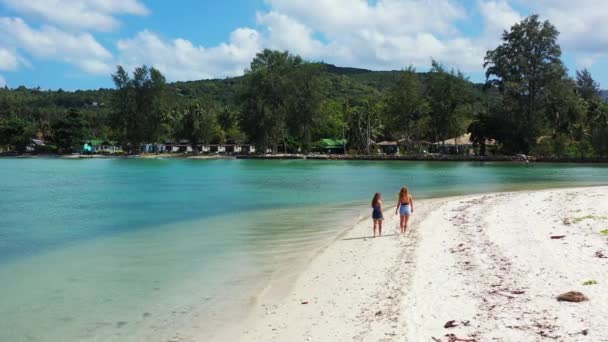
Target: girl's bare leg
{"x": 379, "y": 227}
{"x": 375, "y": 223}
{"x": 405, "y": 223}
{"x": 402, "y": 224}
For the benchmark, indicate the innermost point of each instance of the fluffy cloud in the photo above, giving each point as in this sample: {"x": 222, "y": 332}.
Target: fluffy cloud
{"x": 387, "y": 34}
{"x": 2, "y": 81}
{"x": 80, "y": 49}
{"x": 582, "y": 23}
{"x": 379, "y": 35}
{"x": 498, "y": 16}
{"x": 8, "y": 60}
{"x": 286, "y": 33}
{"x": 180, "y": 59}
{"x": 399, "y": 17}
{"x": 79, "y": 14}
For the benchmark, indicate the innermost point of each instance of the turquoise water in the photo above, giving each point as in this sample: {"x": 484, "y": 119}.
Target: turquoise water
{"x": 128, "y": 249}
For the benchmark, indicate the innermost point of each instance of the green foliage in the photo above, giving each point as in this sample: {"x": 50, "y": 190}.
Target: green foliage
{"x": 139, "y": 105}
{"x": 528, "y": 104}
{"x": 197, "y": 124}
{"x": 364, "y": 124}
{"x": 69, "y": 131}
{"x": 586, "y": 86}
{"x": 279, "y": 98}
{"x": 604, "y": 232}
{"x": 590, "y": 282}
{"x": 406, "y": 106}
{"x": 450, "y": 102}
{"x": 522, "y": 69}
{"x": 15, "y": 132}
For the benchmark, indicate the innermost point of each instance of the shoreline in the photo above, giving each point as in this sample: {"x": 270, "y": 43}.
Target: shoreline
{"x": 364, "y": 289}
{"x": 321, "y": 157}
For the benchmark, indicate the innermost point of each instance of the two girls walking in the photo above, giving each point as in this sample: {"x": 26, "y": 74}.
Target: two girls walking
{"x": 405, "y": 207}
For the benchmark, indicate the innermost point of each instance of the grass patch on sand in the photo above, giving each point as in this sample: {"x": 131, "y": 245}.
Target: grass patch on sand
{"x": 588, "y": 217}
{"x": 604, "y": 232}
{"x": 590, "y": 282}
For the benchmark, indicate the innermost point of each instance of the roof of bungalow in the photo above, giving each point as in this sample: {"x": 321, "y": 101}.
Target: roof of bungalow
{"x": 38, "y": 142}
{"x": 387, "y": 143}
{"x": 333, "y": 143}
{"x": 464, "y": 139}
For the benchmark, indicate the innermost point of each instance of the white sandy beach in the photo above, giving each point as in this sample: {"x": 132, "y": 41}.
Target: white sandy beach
{"x": 486, "y": 262}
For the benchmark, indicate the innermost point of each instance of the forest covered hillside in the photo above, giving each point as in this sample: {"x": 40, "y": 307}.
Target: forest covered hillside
{"x": 528, "y": 104}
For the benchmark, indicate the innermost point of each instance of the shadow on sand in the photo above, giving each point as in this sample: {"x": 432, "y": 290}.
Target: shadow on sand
{"x": 370, "y": 237}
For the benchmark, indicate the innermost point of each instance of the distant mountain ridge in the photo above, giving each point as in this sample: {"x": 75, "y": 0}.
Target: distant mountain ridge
{"x": 345, "y": 83}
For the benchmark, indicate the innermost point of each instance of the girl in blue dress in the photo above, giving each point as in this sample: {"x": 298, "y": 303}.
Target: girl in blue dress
{"x": 377, "y": 213}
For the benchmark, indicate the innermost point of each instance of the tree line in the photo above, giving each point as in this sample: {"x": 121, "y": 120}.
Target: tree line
{"x": 528, "y": 104}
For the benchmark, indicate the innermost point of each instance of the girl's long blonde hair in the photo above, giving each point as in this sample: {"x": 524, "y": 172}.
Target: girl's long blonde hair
{"x": 404, "y": 194}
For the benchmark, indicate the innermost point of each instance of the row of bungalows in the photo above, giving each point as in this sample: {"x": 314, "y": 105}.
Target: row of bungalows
{"x": 98, "y": 146}
{"x": 183, "y": 146}
{"x": 460, "y": 145}
{"x": 227, "y": 148}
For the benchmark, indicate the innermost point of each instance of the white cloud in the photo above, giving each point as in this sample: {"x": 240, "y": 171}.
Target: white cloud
{"x": 287, "y": 33}
{"x": 2, "y": 81}
{"x": 180, "y": 59}
{"x": 386, "y": 34}
{"x": 582, "y": 24}
{"x": 586, "y": 61}
{"x": 8, "y": 60}
{"x": 79, "y": 14}
{"x": 498, "y": 16}
{"x": 338, "y": 17}
{"x": 80, "y": 49}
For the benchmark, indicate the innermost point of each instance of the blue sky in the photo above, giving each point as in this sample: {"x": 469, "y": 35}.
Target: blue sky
{"x": 73, "y": 44}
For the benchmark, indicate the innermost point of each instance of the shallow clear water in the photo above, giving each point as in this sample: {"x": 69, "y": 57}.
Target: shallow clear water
{"x": 120, "y": 249}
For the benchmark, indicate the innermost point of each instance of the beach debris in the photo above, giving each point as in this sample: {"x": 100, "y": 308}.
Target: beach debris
{"x": 566, "y": 221}
{"x": 466, "y": 323}
{"x": 590, "y": 282}
{"x": 585, "y": 332}
{"x": 454, "y": 338}
{"x": 572, "y": 296}
{"x": 450, "y": 324}
{"x": 558, "y": 237}
{"x": 304, "y": 302}
{"x": 379, "y": 313}
{"x": 600, "y": 254}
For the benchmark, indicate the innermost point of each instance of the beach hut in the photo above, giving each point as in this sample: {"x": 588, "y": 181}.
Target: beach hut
{"x": 217, "y": 148}
{"x": 332, "y": 146}
{"x": 457, "y": 145}
{"x": 245, "y": 149}
{"x": 230, "y": 148}
{"x": 182, "y": 146}
{"x": 388, "y": 147}
{"x": 35, "y": 145}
